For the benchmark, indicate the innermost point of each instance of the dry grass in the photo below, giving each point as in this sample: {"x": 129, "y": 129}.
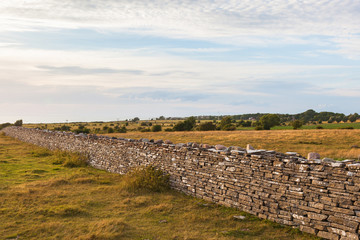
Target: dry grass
{"x": 39, "y": 200}
{"x": 334, "y": 143}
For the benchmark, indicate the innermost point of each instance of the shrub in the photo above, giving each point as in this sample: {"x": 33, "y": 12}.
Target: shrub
{"x": 82, "y": 130}
{"x": 122, "y": 130}
{"x": 207, "y": 126}
{"x": 146, "y": 179}
{"x": 18, "y": 123}
{"x": 156, "y": 128}
{"x": 186, "y": 125}
{"x": 319, "y": 127}
{"x": 296, "y": 124}
{"x": 4, "y": 125}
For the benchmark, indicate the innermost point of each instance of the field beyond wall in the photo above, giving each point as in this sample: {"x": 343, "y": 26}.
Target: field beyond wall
{"x": 332, "y": 143}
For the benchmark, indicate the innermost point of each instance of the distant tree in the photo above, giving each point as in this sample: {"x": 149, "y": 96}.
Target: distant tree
{"x": 269, "y": 120}
{"x": 296, "y": 124}
{"x": 186, "y": 125}
{"x": 135, "y": 119}
{"x": 110, "y": 130}
{"x": 18, "y": 123}
{"x": 161, "y": 118}
{"x": 156, "y": 128}
{"x": 352, "y": 117}
{"x": 207, "y": 126}
{"x": 226, "y": 124}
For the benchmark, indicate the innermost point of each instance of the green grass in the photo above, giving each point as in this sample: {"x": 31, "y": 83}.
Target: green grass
{"x": 43, "y": 200}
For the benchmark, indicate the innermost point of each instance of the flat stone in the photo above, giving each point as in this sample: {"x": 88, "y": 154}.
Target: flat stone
{"x": 239, "y": 217}
{"x": 168, "y": 142}
{"x": 313, "y": 155}
{"x": 249, "y": 147}
{"x": 206, "y": 146}
{"x": 328, "y": 160}
{"x": 255, "y": 152}
{"x": 220, "y": 147}
{"x": 338, "y": 164}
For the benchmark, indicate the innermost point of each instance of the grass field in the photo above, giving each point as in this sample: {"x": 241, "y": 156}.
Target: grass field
{"x": 97, "y": 127}
{"x": 333, "y": 143}
{"x": 43, "y": 200}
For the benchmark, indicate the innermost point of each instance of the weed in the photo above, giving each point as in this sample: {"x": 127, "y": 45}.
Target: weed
{"x": 146, "y": 178}
{"x": 41, "y": 152}
{"x": 70, "y": 159}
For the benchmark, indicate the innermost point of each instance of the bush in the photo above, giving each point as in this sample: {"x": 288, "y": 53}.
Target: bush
{"x": 156, "y": 128}
{"x": 319, "y": 127}
{"x": 18, "y": 123}
{"x": 296, "y": 124}
{"x": 4, "y": 125}
{"x": 146, "y": 179}
{"x": 186, "y": 125}
{"x": 82, "y": 130}
{"x": 207, "y": 126}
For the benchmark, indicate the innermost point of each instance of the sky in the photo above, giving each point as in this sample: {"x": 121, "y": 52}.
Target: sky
{"x": 105, "y": 60}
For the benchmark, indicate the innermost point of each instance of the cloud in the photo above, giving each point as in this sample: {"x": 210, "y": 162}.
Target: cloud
{"x": 75, "y": 70}
{"x": 241, "y": 23}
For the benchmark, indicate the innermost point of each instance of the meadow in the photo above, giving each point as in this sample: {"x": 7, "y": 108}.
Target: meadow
{"x": 332, "y": 143}
{"x": 51, "y": 195}
{"x": 334, "y": 140}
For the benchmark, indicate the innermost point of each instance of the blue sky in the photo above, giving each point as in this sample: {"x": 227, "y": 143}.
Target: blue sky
{"x": 87, "y": 60}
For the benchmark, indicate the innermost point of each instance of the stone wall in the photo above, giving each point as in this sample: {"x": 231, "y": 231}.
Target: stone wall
{"x": 319, "y": 196}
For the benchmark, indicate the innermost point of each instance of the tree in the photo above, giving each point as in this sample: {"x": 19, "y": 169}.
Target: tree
{"x": 156, "y": 128}
{"x": 186, "y": 125}
{"x": 269, "y": 120}
{"x": 296, "y": 124}
{"x": 135, "y": 119}
{"x": 18, "y": 123}
{"x": 353, "y": 117}
{"x": 226, "y": 124}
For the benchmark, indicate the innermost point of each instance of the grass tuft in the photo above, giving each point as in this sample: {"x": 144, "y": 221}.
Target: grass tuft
{"x": 41, "y": 152}
{"x": 70, "y": 159}
{"x": 146, "y": 179}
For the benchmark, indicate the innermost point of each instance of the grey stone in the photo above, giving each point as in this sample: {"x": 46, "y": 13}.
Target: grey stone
{"x": 220, "y": 147}
{"x": 239, "y": 217}
{"x": 249, "y": 147}
{"x": 313, "y": 155}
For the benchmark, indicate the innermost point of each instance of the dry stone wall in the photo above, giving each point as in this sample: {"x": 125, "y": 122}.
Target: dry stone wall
{"x": 319, "y": 196}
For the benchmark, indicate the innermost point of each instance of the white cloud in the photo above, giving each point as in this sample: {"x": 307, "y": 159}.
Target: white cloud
{"x": 236, "y": 22}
